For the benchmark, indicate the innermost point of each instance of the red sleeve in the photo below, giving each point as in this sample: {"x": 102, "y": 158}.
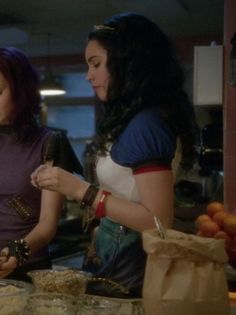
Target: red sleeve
{"x": 150, "y": 167}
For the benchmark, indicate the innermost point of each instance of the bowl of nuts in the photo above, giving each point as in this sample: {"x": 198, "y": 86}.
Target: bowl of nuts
{"x": 13, "y": 296}
{"x": 94, "y": 305}
{"x": 67, "y": 281}
{"x": 51, "y": 304}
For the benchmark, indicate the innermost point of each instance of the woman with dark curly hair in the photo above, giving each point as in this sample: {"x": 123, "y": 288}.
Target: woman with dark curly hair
{"x": 135, "y": 74}
{"x": 28, "y": 217}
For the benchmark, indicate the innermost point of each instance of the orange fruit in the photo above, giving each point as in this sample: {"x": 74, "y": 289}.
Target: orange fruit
{"x": 202, "y": 218}
{"x": 213, "y": 207}
{"x": 219, "y": 217}
{"x": 229, "y": 225}
{"x": 223, "y": 235}
{"x": 209, "y": 228}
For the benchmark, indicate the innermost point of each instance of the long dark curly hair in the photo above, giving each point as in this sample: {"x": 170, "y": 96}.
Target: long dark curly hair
{"x": 24, "y": 86}
{"x": 145, "y": 72}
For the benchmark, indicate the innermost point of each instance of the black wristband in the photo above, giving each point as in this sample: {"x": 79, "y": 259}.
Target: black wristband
{"x": 19, "y": 249}
{"x": 89, "y": 197}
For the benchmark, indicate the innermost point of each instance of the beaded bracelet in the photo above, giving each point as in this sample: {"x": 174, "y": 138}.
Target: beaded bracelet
{"x": 88, "y": 197}
{"x": 19, "y": 249}
{"x": 100, "y": 210}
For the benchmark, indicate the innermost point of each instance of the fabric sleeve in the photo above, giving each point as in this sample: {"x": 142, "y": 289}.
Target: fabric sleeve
{"x": 147, "y": 143}
{"x": 58, "y": 149}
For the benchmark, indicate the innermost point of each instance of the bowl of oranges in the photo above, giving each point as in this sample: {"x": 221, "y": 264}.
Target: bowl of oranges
{"x": 218, "y": 223}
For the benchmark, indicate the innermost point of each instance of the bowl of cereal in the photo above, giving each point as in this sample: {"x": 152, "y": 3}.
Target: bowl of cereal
{"x": 67, "y": 281}
{"x": 51, "y": 304}
{"x": 93, "y": 305}
{"x": 13, "y": 296}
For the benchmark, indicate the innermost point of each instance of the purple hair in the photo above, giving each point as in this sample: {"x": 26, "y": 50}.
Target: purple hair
{"x": 24, "y": 86}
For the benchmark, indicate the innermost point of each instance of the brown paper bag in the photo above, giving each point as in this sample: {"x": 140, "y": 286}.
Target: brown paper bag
{"x": 184, "y": 275}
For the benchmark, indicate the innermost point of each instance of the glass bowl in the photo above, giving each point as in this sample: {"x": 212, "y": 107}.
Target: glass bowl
{"x": 66, "y": 281}
{"x": 51, "y": 304}
{"x": 13, "y": 296}
{"x": 91, "y": 305}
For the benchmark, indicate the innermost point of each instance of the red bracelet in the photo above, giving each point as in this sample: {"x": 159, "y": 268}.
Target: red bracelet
{"x": 100, "y": 210}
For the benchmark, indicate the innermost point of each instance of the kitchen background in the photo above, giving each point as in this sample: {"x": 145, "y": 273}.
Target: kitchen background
{"x": 52, "y": 33}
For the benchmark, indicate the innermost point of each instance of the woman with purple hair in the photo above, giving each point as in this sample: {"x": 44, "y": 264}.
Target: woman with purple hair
{"x": 28, "y": 216}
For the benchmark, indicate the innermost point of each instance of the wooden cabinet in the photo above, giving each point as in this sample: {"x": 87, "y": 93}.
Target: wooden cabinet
{"x": 208, "y": 75}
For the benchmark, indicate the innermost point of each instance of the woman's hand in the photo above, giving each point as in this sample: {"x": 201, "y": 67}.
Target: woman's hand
{"x": 7, "y": 264}
{"x": 57, "y": 179}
